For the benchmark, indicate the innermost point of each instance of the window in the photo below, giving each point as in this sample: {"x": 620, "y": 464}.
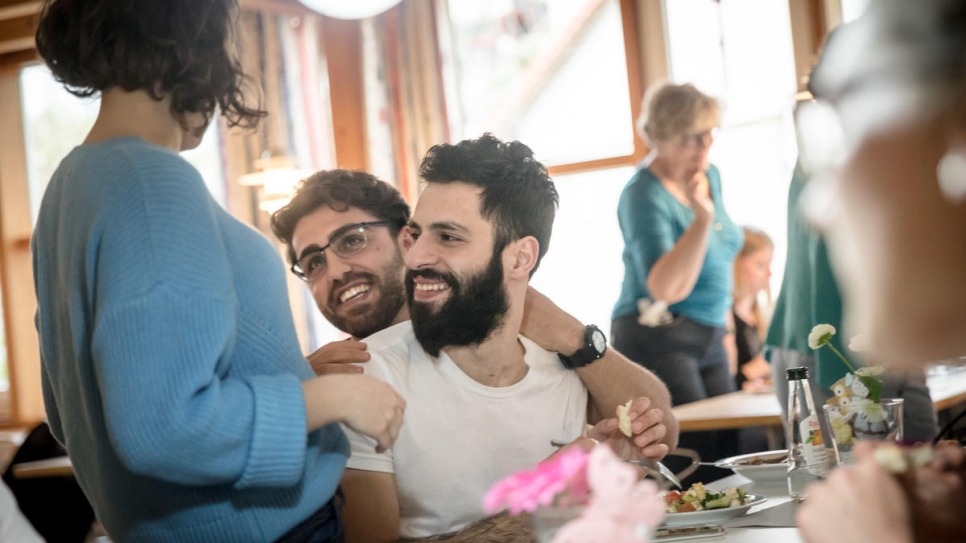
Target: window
{"x": 853, "y": 9}
{"x": 55, "y": 121}
{"x": 741, "y": 53}
{"x": 583, "y": 269}
{"x": 554, "y": 75}
{"x": 550, "y": 74}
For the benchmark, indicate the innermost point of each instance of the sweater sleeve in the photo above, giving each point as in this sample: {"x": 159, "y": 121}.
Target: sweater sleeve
{"x": 646, "y": 226}
{"x": 164, "y": 331}
{"x": 170, "y": 411}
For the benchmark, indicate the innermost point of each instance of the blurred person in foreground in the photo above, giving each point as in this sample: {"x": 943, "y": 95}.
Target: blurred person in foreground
{"x": 886, "y": 147}
{"x": 810, "y": 295}
{"x": 170, "y": 368}
{"x": 679, "y": 249}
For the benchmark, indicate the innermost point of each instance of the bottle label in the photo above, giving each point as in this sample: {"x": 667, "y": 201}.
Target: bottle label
{"x": 817, "y": 456}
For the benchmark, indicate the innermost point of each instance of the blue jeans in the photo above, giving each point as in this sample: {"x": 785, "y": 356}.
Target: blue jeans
{"x": 323, "y": 526}
{"x": 691, "y": 360}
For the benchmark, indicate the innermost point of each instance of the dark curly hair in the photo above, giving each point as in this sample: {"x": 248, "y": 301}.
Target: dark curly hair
{"x": 518, "y": 197}
{"x": 176, "y": 48}
{"x": 340, "y": 190}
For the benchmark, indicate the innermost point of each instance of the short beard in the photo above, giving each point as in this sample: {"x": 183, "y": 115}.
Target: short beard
{"x": 365, "y": 320}
{"x": 472, "y": 312}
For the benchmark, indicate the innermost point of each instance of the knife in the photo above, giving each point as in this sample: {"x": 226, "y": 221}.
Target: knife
{"x": 650, "y": 464}
{"x": 655, "y": 466}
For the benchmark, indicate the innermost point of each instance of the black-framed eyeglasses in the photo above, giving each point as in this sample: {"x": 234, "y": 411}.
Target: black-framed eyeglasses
{"x": 345, "y": 242}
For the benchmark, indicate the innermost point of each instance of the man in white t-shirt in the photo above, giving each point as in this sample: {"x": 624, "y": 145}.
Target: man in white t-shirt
{"x": 482, "y": 401}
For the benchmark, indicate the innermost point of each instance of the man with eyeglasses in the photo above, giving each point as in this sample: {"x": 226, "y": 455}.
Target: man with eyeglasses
{"x": 341, "y": 231}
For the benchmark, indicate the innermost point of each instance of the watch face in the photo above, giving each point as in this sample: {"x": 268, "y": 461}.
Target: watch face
{"x": 599, "y": 341}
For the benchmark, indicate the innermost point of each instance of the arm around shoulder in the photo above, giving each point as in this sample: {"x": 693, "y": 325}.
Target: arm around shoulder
{"x": 611, "y": 380}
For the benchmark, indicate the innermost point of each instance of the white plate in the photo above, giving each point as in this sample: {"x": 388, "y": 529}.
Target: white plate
{"x": 711, "y": 516}
{"x": 759, "y": 473}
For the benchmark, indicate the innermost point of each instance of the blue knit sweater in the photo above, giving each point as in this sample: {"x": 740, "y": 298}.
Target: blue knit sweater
{"x": 170, "y": 367}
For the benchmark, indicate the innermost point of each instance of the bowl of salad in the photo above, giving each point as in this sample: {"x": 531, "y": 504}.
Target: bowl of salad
{"x": 699, "y": 505}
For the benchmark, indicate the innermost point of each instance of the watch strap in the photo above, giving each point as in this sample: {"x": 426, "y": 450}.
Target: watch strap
{"x": 587, "y": 353}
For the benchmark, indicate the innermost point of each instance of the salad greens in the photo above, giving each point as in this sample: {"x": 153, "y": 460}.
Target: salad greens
{"x": 699, "y": 498}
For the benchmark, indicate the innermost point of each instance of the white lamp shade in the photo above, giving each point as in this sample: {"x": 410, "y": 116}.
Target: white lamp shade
{"x": 349, "y": 9}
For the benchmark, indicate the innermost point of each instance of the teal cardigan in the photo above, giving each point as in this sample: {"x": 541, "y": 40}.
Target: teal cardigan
{"x": 651, "y": 221}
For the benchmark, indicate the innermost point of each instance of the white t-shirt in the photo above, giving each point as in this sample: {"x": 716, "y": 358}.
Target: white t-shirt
{"x": 459, "y": 437}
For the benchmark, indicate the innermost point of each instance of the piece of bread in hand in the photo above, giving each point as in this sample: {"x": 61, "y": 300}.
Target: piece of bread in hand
{"x": 623, "y": 419}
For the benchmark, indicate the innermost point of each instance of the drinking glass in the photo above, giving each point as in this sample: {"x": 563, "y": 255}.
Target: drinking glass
{"x": 857, "y": 421}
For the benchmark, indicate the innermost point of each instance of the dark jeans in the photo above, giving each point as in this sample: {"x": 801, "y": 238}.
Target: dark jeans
{"x": 323, "y": 526}
{"x": 691, "y": 360}
{"x": 688, "y": 356}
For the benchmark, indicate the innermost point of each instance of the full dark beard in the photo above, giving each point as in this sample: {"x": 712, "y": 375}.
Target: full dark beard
{"x": 472, "y": 312}
{"x": 365, "y": 320}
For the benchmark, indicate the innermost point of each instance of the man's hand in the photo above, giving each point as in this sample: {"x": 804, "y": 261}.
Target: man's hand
{"x": 647, "y": 431}
{"x": 338, "y": 357}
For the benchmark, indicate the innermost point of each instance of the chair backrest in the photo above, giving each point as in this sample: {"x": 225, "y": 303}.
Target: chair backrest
{"x": 55, "y": 506}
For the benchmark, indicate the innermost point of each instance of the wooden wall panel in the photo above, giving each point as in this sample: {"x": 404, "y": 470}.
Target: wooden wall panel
{"x": 343, "y": 56}
{"x": 16, "y": 280}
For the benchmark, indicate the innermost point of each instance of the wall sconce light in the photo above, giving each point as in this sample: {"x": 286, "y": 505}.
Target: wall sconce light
{"x": 277, "y": 177}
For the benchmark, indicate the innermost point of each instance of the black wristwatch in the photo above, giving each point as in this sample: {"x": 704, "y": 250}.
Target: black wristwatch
{"x": 595, "y": 343}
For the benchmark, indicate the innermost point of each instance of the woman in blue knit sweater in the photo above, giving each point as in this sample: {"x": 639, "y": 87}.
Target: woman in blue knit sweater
{"x": 170, "y": 366}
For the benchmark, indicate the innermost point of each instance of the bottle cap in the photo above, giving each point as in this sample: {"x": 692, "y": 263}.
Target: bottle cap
{"x": 797, "y": 373}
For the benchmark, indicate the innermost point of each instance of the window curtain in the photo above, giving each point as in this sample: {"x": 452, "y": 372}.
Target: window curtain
{"x": 403, "y": 59}
{"x": 282, "y": 54}
{"x": 283, "y": 57}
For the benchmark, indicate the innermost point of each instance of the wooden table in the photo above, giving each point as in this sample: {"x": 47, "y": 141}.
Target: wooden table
{"x": 742, "y": 409}
{"x": 948, "y": 390}
{"x": 735, "y": 410}
{"x": 52, "y": 467}
{"x": 777, "y": 494}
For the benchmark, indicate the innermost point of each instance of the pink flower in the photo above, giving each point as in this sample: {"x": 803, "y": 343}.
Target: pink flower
{"x": 621, "y": 509}
{"x": 528, "y": 489}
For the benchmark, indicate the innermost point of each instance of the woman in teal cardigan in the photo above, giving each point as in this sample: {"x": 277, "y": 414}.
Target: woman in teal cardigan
{"x": 679, "y": 250}
{"x": 170, "y": 366}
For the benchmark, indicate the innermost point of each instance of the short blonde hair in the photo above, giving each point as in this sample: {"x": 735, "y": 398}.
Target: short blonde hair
{"x": 671, "y": 111}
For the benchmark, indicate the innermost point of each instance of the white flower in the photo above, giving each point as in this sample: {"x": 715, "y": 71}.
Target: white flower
{"x": 870, "y": 371}
{"x": 820, "y": 335}
{"x": 859, "y": 343}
